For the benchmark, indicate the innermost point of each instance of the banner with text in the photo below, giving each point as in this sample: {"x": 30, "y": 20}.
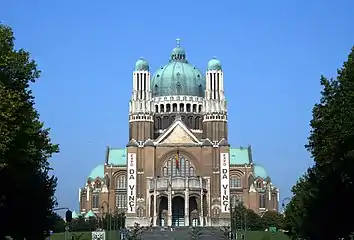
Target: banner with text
{"x": 225, "y": 182}
{"x": 131, "y": 176}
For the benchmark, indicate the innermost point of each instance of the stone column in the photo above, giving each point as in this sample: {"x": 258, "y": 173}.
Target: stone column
{"x": 155, "y": 209}
{"x": 186, "y": 207}
{"x": 201, "y": 215}
{"x": 169, "y": 216}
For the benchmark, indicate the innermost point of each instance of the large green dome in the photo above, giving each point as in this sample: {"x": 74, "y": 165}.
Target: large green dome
{"x": 178, "y": 77}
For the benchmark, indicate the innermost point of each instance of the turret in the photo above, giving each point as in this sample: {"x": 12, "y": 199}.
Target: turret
{"x": 215, "y": 109}
{"x": 140, "y": 105}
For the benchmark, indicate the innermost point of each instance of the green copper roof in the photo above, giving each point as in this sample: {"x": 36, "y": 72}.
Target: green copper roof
{"x": 90, "y": 214}
{"x": 239, "y": 156}
{"x": 74, "y": 215}
{"x": 117, "y": 156}
{"x": 178, "y": 77}
{"x": 97, "y": 172}
{"x": 259, "y": 171}
{"x": 141, "y": 65}
{"x": 214, "y": 64}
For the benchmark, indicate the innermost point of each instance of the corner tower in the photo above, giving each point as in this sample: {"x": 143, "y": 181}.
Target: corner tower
{"x": 215, "y": 109}
{"x": 140, "y": 105}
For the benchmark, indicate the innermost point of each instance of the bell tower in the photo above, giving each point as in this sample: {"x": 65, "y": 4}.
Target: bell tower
{"x": 215, "y": 109}
{"x": 140, "y": 105}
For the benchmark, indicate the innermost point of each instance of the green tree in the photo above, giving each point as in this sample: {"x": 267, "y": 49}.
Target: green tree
{"x": 321, "y": 207}
{"x": 272, "y": 219}
{"x": 243, "y": 218}
{"x": 195, "y": 234}
{"x": 57, "y": 223}
{"x": 27, "y": 189}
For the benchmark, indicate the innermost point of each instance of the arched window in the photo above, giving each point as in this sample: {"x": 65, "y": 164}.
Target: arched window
{"x": 121, "y": 192}
{"x": 262, "y": 200}
{"x": 178, "y": 166}
{"x": 178, "y": 87}
{"x": 140, "y": 212}
{"x": 259, "y": 184}
{"x": 235, "y": 182}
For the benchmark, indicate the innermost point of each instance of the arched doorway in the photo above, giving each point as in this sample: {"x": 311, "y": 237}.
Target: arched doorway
{"x": 178, "y": 211}
{"x": 162, "y": 211}
{"x": 193, "y": 212}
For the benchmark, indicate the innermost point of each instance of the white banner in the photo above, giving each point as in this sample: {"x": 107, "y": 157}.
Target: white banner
{"x": 131, "y": 176}
{"x": 225, "y": 182}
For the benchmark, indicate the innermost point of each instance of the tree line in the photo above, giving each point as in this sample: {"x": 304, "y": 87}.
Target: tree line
{"x": 322, "y": 203}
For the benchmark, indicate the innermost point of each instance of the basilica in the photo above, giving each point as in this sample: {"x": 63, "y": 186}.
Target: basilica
{"x": 178, "y": 168}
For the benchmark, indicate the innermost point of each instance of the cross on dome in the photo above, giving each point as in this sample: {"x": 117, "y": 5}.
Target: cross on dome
{"x": 178, "y": 41}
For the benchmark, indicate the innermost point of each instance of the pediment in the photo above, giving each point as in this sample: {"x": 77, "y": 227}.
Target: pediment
{"x": 178, "y": 133}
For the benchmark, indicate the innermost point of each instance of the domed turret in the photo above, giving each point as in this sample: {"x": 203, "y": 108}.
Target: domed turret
{"x": 141, "y": 65}
{"x": 178, "y": 77}
{"x": 214, "y": 64}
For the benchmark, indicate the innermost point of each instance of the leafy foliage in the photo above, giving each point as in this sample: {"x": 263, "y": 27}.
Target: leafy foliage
{"x": 108, "y": 222}
{"x": 196, "y": 233}
{"x": 27, "y": 189}
{"x": 321, "y": 207}
{"x": 135, "y": 233}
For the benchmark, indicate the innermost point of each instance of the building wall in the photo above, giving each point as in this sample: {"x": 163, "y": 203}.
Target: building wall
{"x": 207, "y": 163}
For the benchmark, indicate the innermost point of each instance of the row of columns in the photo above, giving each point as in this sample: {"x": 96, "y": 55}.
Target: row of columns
{"x": 186, "y": 208}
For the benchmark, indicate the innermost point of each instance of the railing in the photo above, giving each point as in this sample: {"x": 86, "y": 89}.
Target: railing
{"x": 176, "y": 183}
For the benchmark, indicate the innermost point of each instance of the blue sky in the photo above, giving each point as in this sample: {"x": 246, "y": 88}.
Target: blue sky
{"x": 273, "y": 53}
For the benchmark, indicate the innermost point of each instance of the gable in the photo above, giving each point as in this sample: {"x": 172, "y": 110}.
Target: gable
{"x": 178, "y": 133}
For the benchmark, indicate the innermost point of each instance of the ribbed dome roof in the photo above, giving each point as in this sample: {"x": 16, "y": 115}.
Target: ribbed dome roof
{"x": 178, "y": 77}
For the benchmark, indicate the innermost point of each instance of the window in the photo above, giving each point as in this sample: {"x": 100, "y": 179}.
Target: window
{"x": 235, "y": 182}
{"x": 259, "y": 184}
{"x": 95, "y": 200}
{"x": 121, "y": 200}
{"x": 236, "y": 200}
{"x": 121, "y": 192}
{"x": 122, "y": 182}
{"x": 140, "y": 212}
{"x": 98, "y": 184}
{"x": 178, "y": 87}
{"x": 178, "y": 167}
{"x": 262, "y": 200}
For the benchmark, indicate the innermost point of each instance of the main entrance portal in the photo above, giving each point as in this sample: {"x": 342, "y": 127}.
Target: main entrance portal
{"x": 178, "y": 211}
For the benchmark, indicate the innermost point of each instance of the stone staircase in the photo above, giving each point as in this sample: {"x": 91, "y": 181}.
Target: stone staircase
{"x": 180, "y": 233}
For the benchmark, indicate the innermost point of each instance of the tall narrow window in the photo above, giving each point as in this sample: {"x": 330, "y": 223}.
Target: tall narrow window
{"x": 178, "y": 87}
{"x": 95, "y": 200}
{"x": 121, "y": 192}
{"x": 262, "y": 200}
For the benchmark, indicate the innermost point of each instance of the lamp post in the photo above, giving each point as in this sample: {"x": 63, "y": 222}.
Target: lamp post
{"x": 283, "y": 203}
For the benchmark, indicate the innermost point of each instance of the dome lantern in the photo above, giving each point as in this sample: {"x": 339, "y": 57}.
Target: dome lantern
{"x": 141, "y": 65}
{"x": 178, "y": 53}
{"x": 214, "y": 64}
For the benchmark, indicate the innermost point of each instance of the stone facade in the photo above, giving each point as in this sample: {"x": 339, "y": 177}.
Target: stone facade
{"x": 178, "y": 168}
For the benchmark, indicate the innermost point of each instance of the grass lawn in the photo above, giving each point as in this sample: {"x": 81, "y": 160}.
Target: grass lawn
{"x": 258, "y": 235}
{"x": 114, "y": 235}
{"x": 86, "y": 235}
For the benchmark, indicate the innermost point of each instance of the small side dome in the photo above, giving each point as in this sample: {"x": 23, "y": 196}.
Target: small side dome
{"x": 97, "y": 172}
{"x": 259, "y": 171}
{"x": 141, "y": 65}
{"x": 214, "y": 64}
